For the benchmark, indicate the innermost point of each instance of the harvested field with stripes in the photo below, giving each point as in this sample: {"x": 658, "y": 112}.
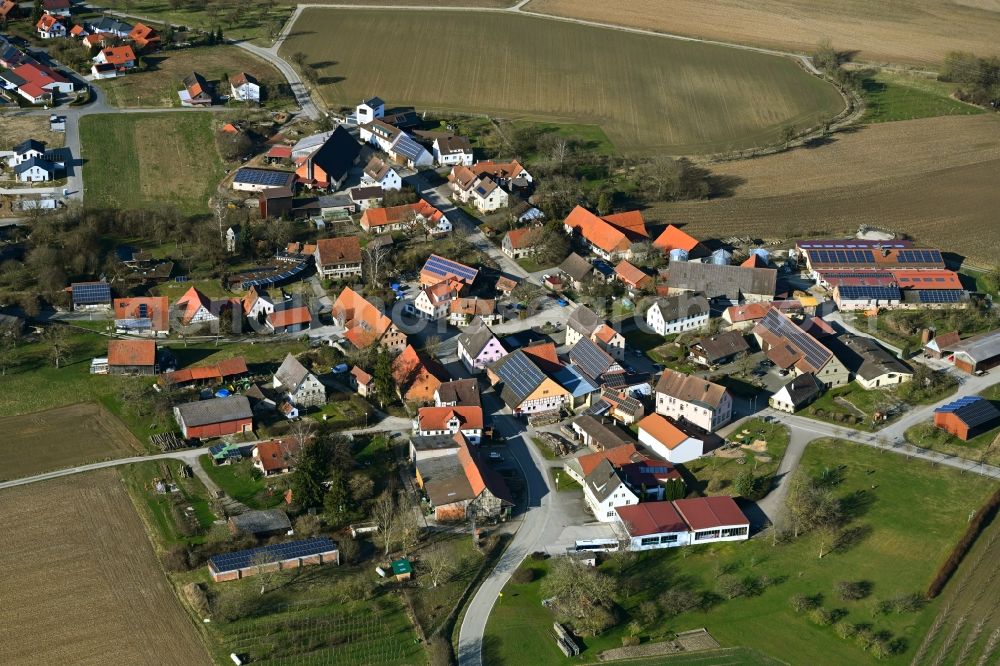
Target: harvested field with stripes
{"x": 649, "y": 94}
{"x": 81, "y": 583}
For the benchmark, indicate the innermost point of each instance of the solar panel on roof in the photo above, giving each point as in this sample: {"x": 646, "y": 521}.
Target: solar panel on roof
{"x": 261, "y": 177}
{"x": 815, "y": 354}
{"x": 442, "y": 266}
{"x": 940, "y": 295}
{"x": 91, "y": 293}
{"x": 520, "y": 374}
{"x": 276, "y": 552}
{"x": 869, "y": 293}
{"x": 590, "y": 358}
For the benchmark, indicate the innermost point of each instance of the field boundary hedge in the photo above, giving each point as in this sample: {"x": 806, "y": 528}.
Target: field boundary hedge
{"x": 947, "y": 569}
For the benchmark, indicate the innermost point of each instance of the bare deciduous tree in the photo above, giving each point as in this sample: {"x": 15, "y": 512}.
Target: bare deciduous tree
{"x": 58, "y": 344}
{"x": 264, "y": 571}
{"x": 384, "y": 515}
{"x": 440, "y": 566}
{"x": 375, "y": 257}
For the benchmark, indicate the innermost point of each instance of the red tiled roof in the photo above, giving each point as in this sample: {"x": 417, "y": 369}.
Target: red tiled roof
{"x": 157, "y": 310}
{"x": 703, "y": 513}
{"x": 339, "y": 250}
{"x": 132, "y": 352}
{"x": 631, "y": 222}
{"x": 416, "y": 376}
{"x": 437, "y": 418}
{"x": 46, "y": 22}
{"x": 598, "y": 232}
{"x": 754, "y": 261}
{"x": 663, "y": 431}
{"x": 648, "y": 518}
{"x": 522, "y": 238}
{"x": 280, "y": 152}
{"x": 380, "y": 217}
{"x": 289, "y": 317}
{"x": 365, "y": 324}
{"x": 480, "y": 476}
{"x": 191, "y": 302}
{"x": 361, "y": 376}
{"x": 930, "y": 279}
{"x": 119, "y": 55}
{"x": 631, "y": 275}
{"x": 276, "y": 454}
{"x": 617, "y": 456}
{"x": 673, "y": 238}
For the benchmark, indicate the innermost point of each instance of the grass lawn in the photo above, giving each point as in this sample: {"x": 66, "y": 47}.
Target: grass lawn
{"x": 647, "y": 94}
{"x": 908, "y": 515}
{"x": 714, "y": 475}
{"x": 902, "y": 328}
{"x": 563, "y": 481}
{"x": 253, "y": 21}
{"x": 983, "y": 447}
{"x": 832, "y": 406}
{"x": 433, "y": 604}
{"x": 157, "y": 85}
{"x": 592, "y": 137}
{"x": 148, "y": 159}
{"x": 900, "y": 96}
{"x": 240, "y": 483}
{"x": 166, "y": 515}
{"x": 347, "y": 413}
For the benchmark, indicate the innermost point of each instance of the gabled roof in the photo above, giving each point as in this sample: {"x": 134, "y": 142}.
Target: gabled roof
{"x": 154, "y": 308}
{"x": 192, "y": 301}
{"x": 648, "y": 518}
{"x": 788, "y": 345}
{"x": 606, "y": 436}
{"x": 441, "y": 268}
{"x": 869, "y": 360}
{"x": 603, "y": 481}
{"x": 944, "y": 342}
{"x": 702, "y": 513}
{"x": 196, "y": 85}
{"x": 373, "y": 102}
{"x": 754, "y": 261}
{"x": 473, "y": 307}
{"x": 723, "y": 345}
{"x": 119, "y": 55}
{"x": 544, "y": 355}
{"x": 973, "y": 410}
{"x": 584, "y": 321}
{"x": 290, "y": 317}
{"x": 522, "y": 238}
{"x": 663, "y": 431}
{"x": 690, "y": 388}
{"x": 460, "y": 392}
{"x": 755, "y": 311}
{"x": 91, "y": 293}
{"x": 596, "y": 231}
{"x": 215, "y": 410}
{"x": 361, "y": 376}
{"x": 576, "y": 267}
{"x": 673, "y": 238}
{"x": 520, "y": 376}
{"x": 719, "y": 281}
{"x": 631, "y": 222}
{"x": 29, "y": 145}
{"x": 291, "y": 373}
{"x": 469, "y": 417}
{"x": 801, "y": 390}
{"x": 337, "y": 154}
{"x": 243, "y": 78}
{"x": 364, "y": 322}
{"x": 980, "y": 347}
{"x": 47, "y": 22}
{"x": 617, "y": 456}
{"x": 132, "y": 352}
{"x": 277, "y": 454}
{"x": 453, "y": 145}
{"x": 261, "y": 521}
{"x": 377, "y": 169}
{"x": 592, "y": 360}
{"x": 380, "y": 217}
{"x": 416, "y": 375}
{"x": 631, "y": 275}
{"x": 339, "y": 250}
{"x": 480, "y": 475}
{"x": 475, "y": 338}
{"x": 32, "y": 162}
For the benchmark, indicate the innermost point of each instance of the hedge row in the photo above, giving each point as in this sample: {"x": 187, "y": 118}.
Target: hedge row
{"x": 976, "y": 526}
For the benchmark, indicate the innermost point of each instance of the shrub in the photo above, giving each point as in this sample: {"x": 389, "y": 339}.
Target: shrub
{"x": 906, "y": 603}
{"x": 801, "y": 603}
{"x": 440, "y": 651}
{"x": 523, "y": 576}
{"x": 845, "y": 630}
{"x": 821, "y": 616}
{"x": 853, "y": 590}
{"x": 677, "y": 601}
{"x": 731, "y": 587}
{"x": 649, "y": 612}
{"x": 350, "y": 551}
{"x": 630, "y": 641}
{"x": 539, "y": 555}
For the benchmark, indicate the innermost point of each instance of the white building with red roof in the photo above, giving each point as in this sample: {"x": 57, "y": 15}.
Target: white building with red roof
{"x": 712, "y": 519}
{"x": 449, "y": 420}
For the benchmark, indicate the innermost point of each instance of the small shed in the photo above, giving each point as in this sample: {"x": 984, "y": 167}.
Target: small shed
{"x": 260, "y": 524}
{"x": 402, "y": 569}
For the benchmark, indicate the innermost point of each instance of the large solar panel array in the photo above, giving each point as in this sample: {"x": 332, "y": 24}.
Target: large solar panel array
{"x": 835, "y": 276}
{"x": 940, "y": 295}
{"x": 852, "y": 243}
{"x": 441, "y": 266}
{"x": 277, "y": 552}
{"x": 91, "y": 293}
{"x": 869, "y": 293}
{"x": 972, "y": 409}
{"x": 590, "y": 358}
{"x": 252, "y": 176}
{"x": 290, "y": 275}
{"x": 919, "y": 257}
{"x": 816, "y": 355}
{"x": 842, "y": 256}
{"x": 519, "y": 374}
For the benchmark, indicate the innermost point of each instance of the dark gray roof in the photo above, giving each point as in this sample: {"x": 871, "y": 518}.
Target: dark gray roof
{"x": 715, "y": 281}
{"x": 34, "y": 162}
{"x": 374, "y": 102}
{"x": 803, "y": 389}
{"x": 445, "y": 481}
{"x": 58, "y": 155}
{"x": 108, "y": 24}
{"x": 338, "y": 154}
{"x": 520, "y": 376}
{"x": 291, "y": 373}
{"x": 433, "y": 442}
{"x": 981, "y": 347}
{"x": 591, "y": 359}
{"x": 29, "y": 144}
{"x": 723, "y": 345}
{"x": 261, "y": 522}
{"x": 682, "y": 306}
{"x": 216, "y": 410}
{"x": 475, "y": 337}
{"x": 603, "y": 480}
{"x": 867, "y": 359}
{"x": 607, "y": 436}
{"x": 576, "y": 267}
{"x": 460, "y": 391}
{"x": 584, "y": 321}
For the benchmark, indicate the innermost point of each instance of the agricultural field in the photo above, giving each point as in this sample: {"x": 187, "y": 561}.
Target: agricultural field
{"x": 648, "y": 94}
{"x": 967, "y": 629}
{"x": 893, "y": 95}
{"x": 921, "y": 177}
{"x": 157, "y": 85}
{"x": 904, "y": 515}
{"x": 141, "y": 160}
{"x": 81, "y": 583}
{"x": 63, "y": 437}
{"x": 918, "y": 32}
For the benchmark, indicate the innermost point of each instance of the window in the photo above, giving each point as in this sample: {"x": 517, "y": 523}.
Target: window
{"x": 611, "y": 514}
{"x": 734, "y": 531}
{"x": 668, "y": 538}
{"x": 707, "y": 534}
{"x": 650, "y": 541}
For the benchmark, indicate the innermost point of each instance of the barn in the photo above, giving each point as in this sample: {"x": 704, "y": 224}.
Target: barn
{"x": 979, "y": 353}
{"x": 275, "y": 557}
{"x": 214, "y": 418}
{"x": 967, "y": 417}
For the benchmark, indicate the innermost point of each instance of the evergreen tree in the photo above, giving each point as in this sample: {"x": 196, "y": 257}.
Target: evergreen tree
{"x": 385, "y": 385}
{"x": 337, "y": 502}
{"x": 310, "y": 473}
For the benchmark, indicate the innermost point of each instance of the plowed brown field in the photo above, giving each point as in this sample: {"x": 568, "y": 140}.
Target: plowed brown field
{"x": 935, "y": 179}
{"x": 917, "y": 31}
{"x": 81, "y": 584}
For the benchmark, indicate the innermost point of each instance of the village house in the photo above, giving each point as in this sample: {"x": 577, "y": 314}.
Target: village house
{"x": 452, "y": 150}
{"x": 967, "y": 417}
{"x": 406, "y": 216}
{"x": 481, "y": 191}
{"x": 144, "y": 37}
{"x": 462, "y": 311}
{"x": 371, "y": 196}
{"x": 598, "y": 436}
{"x": 800, "y": 392}
{"x": 400, "y": 147}
{"x": 719, "y": 349}
{"x": 478, "y": 347}
{"x": 338, "y": 258}
{"x": 745, "y": 317}
{"x": 577, "y": 270}
{"x": 257, "y": 305}
{"x": 417, "y": 376}
{"x": 196, "y": 91}
{"x": 793, "y": 349}
{"x": 303, "y": 388}
{"x": 132, "y": 357}
{"x": 520, "y": 243}
{"x": 512, "y": 176}
{"x": 678, "y": 314}
{"x": 678, "y": 245}
{"x": 326, "y": 168}
{"x": 609, "y": 237}
{"x": 61, "y": 8}
{"x": 142, "y": 316}
{"x": 733, "y": 284}
{"x": 441, "y": 269}
{"x": 50, "y": 27}
{"x": 362, "y": 382}
{"x": 668, "y": 441}
{"x": 458, "y": 393}
{"x": 9, "y": 10}
{"x": 108, "y": 25}
{"x": 365, "y": 324}
{"x": 244, "y": 88}
{"x": 433, "y": 302}
{"x": 633, "y": 277}
{"x": 695, "y": 399}
{"x": 216, "y": 417}
{"x": 450, "y": 420}
{"x": 604, "y": 490}
{"x": 35, "y": 82}
{"x": 526, "y": 387}
{"x": 378, "y": 172}
{"x": 584, "y": 323}
{"x": 462, "y": 485}
{"x": 194, "y": 308}
{"x": 288, "y": 317}
{"x": 121, "y": 57}
{"x": 275, "y": 456}
{"x": 872, "y": 366}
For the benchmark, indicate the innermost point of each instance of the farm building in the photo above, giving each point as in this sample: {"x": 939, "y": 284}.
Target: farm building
{"x": 967, "y": 417}
{"x": 275, "y": 557}
{"x": 609, "y": 237}
{"x": 668, "y": 441}
{"x": 791, "y": 348}
{"x": 251, "y": 179}
{"x": 260, "y": 524}
{"x": 677, "y": 244}
{"x": 463, "y": 485}
{"x": 597, "y": 435}
{"x": 676, "y": 314}
{"x": 91, "y": 295}
{"x": 225, "y": 370}
{"x": 289, "y": 319}
{"x": 132, "y": 357}
{"x": 981, "y": 352}
{"x": 941, "y": 345}
{"x": 328, "y": 166}
{"x": 872, "y": 366}
{"x": 733, "y": 284}
{"x": 214, "y": 418}
{"x": 527, "y": 389}
{"x": 338, "y": 257}
{"x": 142, "y": 316}
{"x": 196, "y": 91}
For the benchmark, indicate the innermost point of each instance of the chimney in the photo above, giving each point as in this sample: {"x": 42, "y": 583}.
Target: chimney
{"x": 926, "y": 335}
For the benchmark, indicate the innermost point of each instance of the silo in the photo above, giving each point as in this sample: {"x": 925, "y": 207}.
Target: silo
{"x": 678, "y": 255}
{"x": 721, "y": 257}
